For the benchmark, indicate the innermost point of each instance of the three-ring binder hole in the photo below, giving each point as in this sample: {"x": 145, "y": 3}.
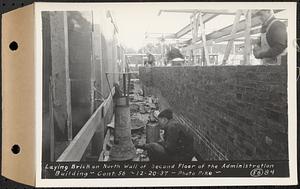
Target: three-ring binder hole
{"x": 13, "y": 46}
{"x": 15, "y": 149}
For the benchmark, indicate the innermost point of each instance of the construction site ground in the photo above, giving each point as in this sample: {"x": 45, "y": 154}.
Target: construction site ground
{"x": 141, "y": 108}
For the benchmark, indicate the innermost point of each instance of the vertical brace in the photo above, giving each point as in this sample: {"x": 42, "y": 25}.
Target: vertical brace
{"x": 51, "y": 122}
{"x": 195, "y": 25}
{"x": 68, "y": 82}
{"x": 124, "y": 84}
{"x": 128, "y": 89}
{"x": 233, "y": 31}
{"x": 196, "y": 31}
{"x": 203, "y": 37}
{"x": 101, "y": 64}
{"x": 93, "y": 68}
{"x": 190, "y": 52}
{"x": 247, "y": 48}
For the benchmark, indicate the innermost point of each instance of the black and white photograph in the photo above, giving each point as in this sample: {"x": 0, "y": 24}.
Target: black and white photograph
{"x": 167, "y": 90}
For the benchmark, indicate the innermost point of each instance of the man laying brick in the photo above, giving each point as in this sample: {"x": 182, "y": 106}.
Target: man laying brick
{"x": 177, "y": 142}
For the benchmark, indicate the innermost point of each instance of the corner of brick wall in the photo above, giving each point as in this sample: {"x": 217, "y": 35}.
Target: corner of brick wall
{"x": 240, "y": 109}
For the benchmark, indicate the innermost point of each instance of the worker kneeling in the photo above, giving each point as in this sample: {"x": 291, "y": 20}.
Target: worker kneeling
{"x": 177, "y": 142}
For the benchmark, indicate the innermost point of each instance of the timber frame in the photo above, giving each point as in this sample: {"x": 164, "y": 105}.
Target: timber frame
{"x": 244, "y": 28}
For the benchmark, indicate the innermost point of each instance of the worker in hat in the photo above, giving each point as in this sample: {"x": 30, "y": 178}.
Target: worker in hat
{"x": 271, "y": 46}
{"x": 177, "y": 143}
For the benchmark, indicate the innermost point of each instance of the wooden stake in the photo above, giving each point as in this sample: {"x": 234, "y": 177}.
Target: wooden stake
{"x": 230, "y": 42}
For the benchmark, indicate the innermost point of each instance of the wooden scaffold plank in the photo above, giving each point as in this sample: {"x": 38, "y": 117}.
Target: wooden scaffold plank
{"x": 78, "y": 145}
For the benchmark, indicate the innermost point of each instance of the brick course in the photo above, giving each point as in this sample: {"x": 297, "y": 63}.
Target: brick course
{"x": 236, "y": 107}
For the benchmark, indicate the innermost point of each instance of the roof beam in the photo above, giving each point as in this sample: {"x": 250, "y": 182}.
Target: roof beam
{"x": 222, "y": 39}
{"x": 219, "y": 12}
{"x": 177, "y": 11}
{"x": 227, "y": 30}
{"x": 188, "y": 27}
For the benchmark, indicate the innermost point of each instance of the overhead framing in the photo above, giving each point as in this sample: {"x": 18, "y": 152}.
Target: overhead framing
{"x": 239, "y": 29}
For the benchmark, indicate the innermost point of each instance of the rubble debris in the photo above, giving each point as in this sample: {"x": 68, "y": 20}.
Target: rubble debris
{"x": 143, "y": 112}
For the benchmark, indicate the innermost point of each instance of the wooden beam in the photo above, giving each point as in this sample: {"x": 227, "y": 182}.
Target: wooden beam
{"x": 195, "y": 32}
{"x": 247, "y": 49}
{"x": 93, "y": 71}
{"x": 188, "y": 27}
{"x": 222, "y": 39}
{"x": 194, "y": 24}
{"x": 60, "y": 73}
{"x": 78, "y": 145}
{"x": 238, "y": 35}
{"x": 51, "y": 122}
{"x": 230, "y": 42}
{"x": 219, "y": 12}
{"x": 190, "y": 11}
{"x": 227, "y": 30}
{"x": 223, "y": 34}
{"x": 139, "y": 54}
{"x": 68, "y": 82}
{"x": 203, "y": 36}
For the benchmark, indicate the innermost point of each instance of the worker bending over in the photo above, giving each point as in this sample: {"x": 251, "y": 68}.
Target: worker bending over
{"x": 177, "y": 142}
{"x": 271, "y": 47}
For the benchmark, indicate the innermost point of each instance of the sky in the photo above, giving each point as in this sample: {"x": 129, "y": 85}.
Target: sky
{"x": 134, "y": 21}
{"x": 134, "y": 24}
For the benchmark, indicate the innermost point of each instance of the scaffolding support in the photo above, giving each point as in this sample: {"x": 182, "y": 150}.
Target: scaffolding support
{"x": 247, "y": 48}
{"x": 203, "y": 37}
{"x": 230, "y": 42}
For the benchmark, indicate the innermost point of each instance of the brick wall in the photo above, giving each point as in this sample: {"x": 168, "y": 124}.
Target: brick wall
{"x": 240, "y": 110}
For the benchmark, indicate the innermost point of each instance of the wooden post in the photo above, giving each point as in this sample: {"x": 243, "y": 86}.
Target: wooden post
{"x": 51, "y": 123}
{"x": 196, "y": 31}
{"x": 203, "y": 37}
{"x": 102, "y": 75}
{"x": 190, "y": 52}
{"x": 97, "y": 81}
{"x": 247, "y": 49}
{"x": 194, "y": 28}
{"x": 230, "y": 42}
{"x": 68, "y": 81}
{"x": 60, "y": 73}
{"x": 93, "y": 67}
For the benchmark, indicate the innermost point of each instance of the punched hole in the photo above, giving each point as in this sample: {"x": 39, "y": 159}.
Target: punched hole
{"x": 15, "y": 149}
{"x": 13, "y": 46}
